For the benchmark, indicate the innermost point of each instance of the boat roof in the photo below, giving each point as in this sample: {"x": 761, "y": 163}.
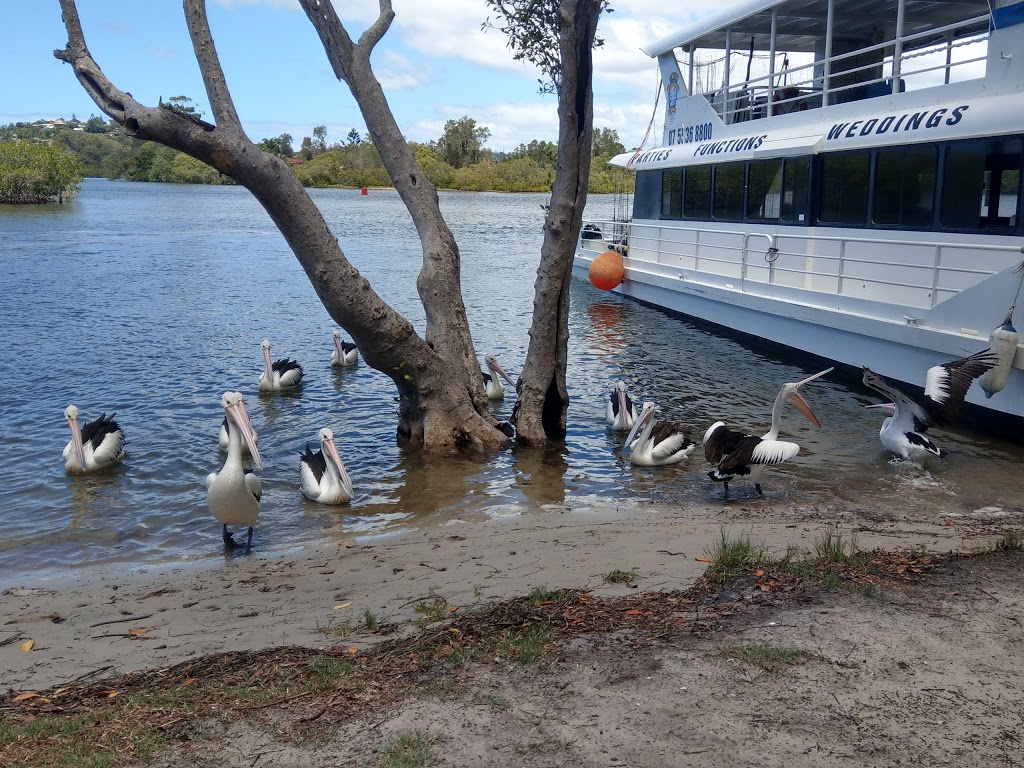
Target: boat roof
{"x": 800, "y": 24}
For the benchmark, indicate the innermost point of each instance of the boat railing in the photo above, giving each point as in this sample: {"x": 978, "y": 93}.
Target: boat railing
{"x": 826, "y": 81}
{"x": 918, "y": 273}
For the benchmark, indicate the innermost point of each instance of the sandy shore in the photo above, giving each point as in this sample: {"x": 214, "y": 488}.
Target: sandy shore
{"x": 113, "y": 622}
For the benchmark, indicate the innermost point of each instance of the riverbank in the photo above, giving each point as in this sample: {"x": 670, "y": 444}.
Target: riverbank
{"x": 110, "y": 622}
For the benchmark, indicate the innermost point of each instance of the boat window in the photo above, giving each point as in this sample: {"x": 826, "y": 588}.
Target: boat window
{"x": 672, "y": 194}
{"x": 647, "y": 195}
{"x": 905, "y": 187}
{"x": 981, "y": 184}
{"x": 795, "y": 185}
{"x": 728, "y": 193}
{"x": 764, "y": 192}
{"x": 844, "y": 188}
{"x": 697, "y": 193}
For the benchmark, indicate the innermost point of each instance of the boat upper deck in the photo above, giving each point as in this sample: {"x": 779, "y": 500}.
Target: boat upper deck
{"x": 806, "y": 54}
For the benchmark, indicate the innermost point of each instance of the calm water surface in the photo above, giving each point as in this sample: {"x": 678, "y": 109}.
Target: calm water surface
{"x": 151, "y": 300}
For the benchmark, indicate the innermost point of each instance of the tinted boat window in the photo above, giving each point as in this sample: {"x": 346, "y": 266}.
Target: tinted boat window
{"x": 905, "y": 187}
{"x": 728, "y": 192}
{"x": 647, "y": 195}
{"x": 795, "y": 187}
{"x": 697, "y": 193}
{"x": 981, "y": 185}
{"x": 672, "y": 194}
{"x": 764, "y": 192}
{"x": 844, "y": 188}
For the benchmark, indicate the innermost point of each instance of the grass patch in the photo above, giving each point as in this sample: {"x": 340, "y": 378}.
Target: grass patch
{"x": 370, "y": 620}
{"x": 620, "y": 577}
{"x": 408, "y": 749}
{"x": 525, "y": 645}
{"x": 1011, "y": 541}
{"x": 770, "y": 658}
{"x": 340, "y": 630}
{"x": 545, "y": 596}
{"x": 430, "y": 610}
{"x": 731, "y": 556}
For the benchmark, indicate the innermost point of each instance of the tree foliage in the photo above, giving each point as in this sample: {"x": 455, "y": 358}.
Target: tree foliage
{"x": 462, "y": 142}
{"x": 37, "y": 173}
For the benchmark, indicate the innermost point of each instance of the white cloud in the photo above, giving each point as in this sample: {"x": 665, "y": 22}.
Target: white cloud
{"x": 397, "y": 72}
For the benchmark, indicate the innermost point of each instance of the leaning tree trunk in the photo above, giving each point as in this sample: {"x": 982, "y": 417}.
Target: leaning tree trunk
{"x": 543, "y": 397}
{"x": 442, "y": 401}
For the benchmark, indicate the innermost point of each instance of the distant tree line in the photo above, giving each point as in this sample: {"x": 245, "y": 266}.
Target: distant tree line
{"x": 457, "y": 160}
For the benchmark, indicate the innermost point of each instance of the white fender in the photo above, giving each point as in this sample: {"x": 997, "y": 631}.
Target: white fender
{"x": 1003, "y": 342}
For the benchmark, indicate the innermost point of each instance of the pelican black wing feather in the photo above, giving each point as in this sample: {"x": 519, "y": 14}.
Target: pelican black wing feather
{"x": 347, "y": 346}
{"x": 721, "y": 443}
{"x": 666, "y": 429}
{"x": 96, "y": 431}
{"x": 947, "y": 384}
{"x": 316, "y": 462}
{"x": 284, "y": 365}
{"x": 738, "y": 460}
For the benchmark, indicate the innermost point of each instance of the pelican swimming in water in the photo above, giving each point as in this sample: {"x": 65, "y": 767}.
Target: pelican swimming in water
{"x": 666, "y": 442}
{"x": 739, "y": 454}
{"x": 222, "y": 438}
{"x": 323, "y": 474}
{"x": 233, "y": 494}
{"x": 278, "y": 375}
{"x": 621, "y": 410}
{"x": 945, "y": 388}
{"x": 98, "y": 444}
{"x": 345, "y": 352}
{"x": 491, "y": 384}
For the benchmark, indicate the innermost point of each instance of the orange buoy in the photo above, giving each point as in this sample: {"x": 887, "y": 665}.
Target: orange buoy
{"x": 363, "y": 191}
{"x": 606, "y": 271}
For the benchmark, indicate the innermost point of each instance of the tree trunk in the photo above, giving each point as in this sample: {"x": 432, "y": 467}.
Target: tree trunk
{"x": 443, "y": 407}
{"x": 540, "y": 412}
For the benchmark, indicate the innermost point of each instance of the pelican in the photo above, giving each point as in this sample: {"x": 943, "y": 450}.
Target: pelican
{"x": 736, "y": 453}
{"x": 621, "y": 410}
{"x": 663, "y": 443}
{"x": 345, "y": 352}
{"x": 279, "y": 375}
{"x": 323, "y": 474}
{"x": 491, "y": 384}
{"x": 233, "y": 494}
{"x": 945, "y": 387}
{"x": 97, "y": 445}
{"x": 222, "y": 438}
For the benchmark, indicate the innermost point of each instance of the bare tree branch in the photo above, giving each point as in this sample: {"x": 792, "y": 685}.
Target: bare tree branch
{"x": 369, "y": 39}
{"x": 209, "y": 64}
{"x": 336, "y": 41}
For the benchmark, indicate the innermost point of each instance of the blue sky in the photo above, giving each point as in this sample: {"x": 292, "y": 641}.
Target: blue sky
{"x": 435, "y": 64}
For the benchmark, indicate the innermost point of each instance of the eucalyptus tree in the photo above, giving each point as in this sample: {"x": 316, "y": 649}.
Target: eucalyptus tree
{"x": 442, "y": 402}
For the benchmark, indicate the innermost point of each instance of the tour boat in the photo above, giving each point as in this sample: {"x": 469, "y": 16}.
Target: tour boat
{"x": 848, "y": 186}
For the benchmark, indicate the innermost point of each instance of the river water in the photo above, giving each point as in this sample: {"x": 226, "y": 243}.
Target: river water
{"x": 150, "y": 300}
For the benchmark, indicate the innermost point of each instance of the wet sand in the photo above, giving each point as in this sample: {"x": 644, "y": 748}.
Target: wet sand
{"x": 114, "y": 621}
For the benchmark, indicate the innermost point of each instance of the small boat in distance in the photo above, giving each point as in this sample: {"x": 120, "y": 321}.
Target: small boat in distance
{"x": 855, "y": 195}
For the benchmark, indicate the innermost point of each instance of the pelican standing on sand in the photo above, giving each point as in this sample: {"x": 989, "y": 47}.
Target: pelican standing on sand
{"x": 345, "y": 352}
{"x": 491, "y": 384}
{"x": 278, "y": 375}
{"x": 666, "y": 442}
{"x": 323, "y": 474}
{"x": 621, "y": 410}
{"x": 233, "y": 494}
{"x": 945, "y": 388}
{"x": 738, "y": 454}
{"x": 98, "y": 444}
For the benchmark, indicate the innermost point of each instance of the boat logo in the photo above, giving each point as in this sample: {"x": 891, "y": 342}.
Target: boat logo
{"x": 672, "y": 93}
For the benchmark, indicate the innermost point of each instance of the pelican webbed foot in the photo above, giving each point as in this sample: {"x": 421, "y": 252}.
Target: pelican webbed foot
{"x": 248, "y": 541}
{"x": 757, "y": 487}
{"x": 229, "y": 541}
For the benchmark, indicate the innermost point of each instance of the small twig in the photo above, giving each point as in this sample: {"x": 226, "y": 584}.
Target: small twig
{"x": 675, "y": 554}
{"x": 273, "y": 703}
{"x": 121, "y": 621}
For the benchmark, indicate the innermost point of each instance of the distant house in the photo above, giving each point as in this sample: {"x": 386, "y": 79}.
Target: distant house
{"x": 295, "y": 160}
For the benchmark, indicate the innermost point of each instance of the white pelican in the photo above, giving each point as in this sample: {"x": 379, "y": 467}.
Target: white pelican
{"x": 491, "y": 384}
{"x": 233, "y": 494}
{"x": 345, "y": 352}
{"x": 97, "y": 445}
{"x": 222, "y": 438}
{"x": 279, "y": 375}
{"x": 621, "y": 410}
{"x": 663, "y": 443}
{"x": 945, "y": 387}
{"x": 323, "y": 474}
{"x": 736, "y": 453}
